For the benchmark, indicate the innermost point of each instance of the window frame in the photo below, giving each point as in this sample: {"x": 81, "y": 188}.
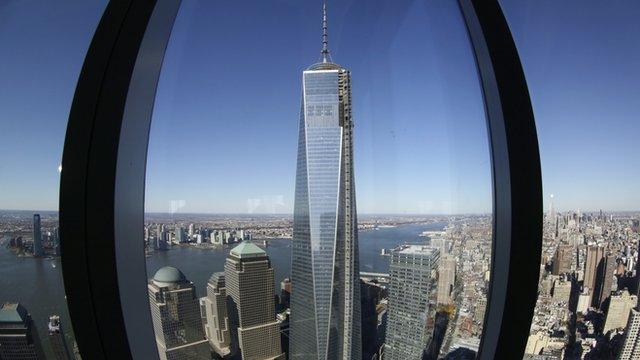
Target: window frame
{"x": 104, "y": 164}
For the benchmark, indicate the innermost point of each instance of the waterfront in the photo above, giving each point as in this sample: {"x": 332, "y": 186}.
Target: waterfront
{"x": 37, "y": 284}
{"x": 198, "y": 264}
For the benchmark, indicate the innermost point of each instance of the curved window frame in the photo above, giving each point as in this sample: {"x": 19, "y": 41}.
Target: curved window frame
{"x": 104, "y": 164}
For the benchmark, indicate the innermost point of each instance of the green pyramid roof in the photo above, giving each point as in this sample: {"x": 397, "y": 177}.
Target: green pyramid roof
{"x": 247, "y": 250}
{"x": 12, "y": 313}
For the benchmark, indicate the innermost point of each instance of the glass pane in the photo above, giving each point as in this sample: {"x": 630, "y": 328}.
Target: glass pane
{"x": 259, "y": 140}
{"x": 43, "y": 48}
{"x": 580, "y": 60}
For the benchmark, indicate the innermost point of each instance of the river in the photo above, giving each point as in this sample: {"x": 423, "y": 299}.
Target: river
{"x": 37, "y": 283}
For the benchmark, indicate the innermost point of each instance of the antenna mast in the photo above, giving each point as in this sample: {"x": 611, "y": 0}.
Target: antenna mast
{"x": 325, "y": 35}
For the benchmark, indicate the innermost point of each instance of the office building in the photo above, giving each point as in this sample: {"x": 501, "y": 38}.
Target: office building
{"x": 285, "y": 292}
{"x": 595, "y": 254}
{"x": 561, "y": 290}
{"x": 180, "y": 236}
{"x": 325, "y": 302}
{"x": 217, "y": 321}
{"x": 18, "y": 335}
{"x": 251, "y": 303}
{"x": 38, "y": 249}
{"x": 176, "y": 318}
{"x": 604, "y": 280}
{"x": 631, "y": 343}
{"x": 584, "y": 300}
{"x": 618, "y": 311}
{"x": 56, "y": 339}
{"x": 562, "y": 259}
{"x": 446, "y": 279}
{"x": 410, "y": 287}
{"x": 57, "y": 250}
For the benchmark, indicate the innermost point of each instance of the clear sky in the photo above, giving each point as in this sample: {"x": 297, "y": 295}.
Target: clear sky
{"x": 224, "y": 132}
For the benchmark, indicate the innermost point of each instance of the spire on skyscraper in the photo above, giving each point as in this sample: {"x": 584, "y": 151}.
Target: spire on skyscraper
{"x": 325, "y": 35}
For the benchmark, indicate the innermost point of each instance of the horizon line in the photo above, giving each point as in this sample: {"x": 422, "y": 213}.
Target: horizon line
{"x": 363, "y": 213}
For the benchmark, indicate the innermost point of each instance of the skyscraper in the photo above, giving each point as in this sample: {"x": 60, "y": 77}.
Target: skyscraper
{"x": 217, "y": 325}
{"x": 56, "y": 338}
{"x": 446, "y": 279}
{"x": 604, "y": 280}
{"x": 179, "y": 235}
{"x": 18, "y": 336}
{"x": 56, "y": 242}
{"x": 325, "y": 298}
{"x": 38, "y": 250}
{"x": 631, "y": 343}
{"x": 175, "y": 311}
{"x": 409, "y": 291}
{"x": 251, "y": 303}
{"x": 552, "y": 211}
{"x": 594, "y": 257}
{"x": 562, "y": 259}
{"x": 618, "y": 311}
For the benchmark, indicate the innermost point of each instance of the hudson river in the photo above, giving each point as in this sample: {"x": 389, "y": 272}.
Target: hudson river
{"x": 37, "y": 283}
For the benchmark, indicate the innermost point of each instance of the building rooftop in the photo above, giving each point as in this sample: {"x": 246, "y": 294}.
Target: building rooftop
{"x": 12, "y": 313}
{"x": 417, "y": 250}
{"x": 325, "y": 66}
{"x": 247, "y": 250}
{"x": 169, "y": 274}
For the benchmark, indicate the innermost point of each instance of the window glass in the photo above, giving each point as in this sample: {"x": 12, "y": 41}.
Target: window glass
{"x": 259, "y": 140}
{"x": 580, "y": 60}
{"x": 43, "y": 48}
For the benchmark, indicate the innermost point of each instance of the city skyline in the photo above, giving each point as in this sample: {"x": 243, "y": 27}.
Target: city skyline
{"x": 575, "y": 141}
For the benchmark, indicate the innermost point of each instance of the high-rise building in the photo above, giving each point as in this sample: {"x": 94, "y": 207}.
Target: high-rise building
{"x": 620, "y": 306}
{"x": 38, "y": 249}
{"x": 410, "y": 287}
{"x": 446, "y": 279}
{"x": 561, "y": 290}
{"x": 584, "y": 300}
{"x": 552, "y": 211}
{"x": 175, "y": 311}
{"x": 180, "y": 235}
{"x": 631, "y": 343}
{"x": 325, "y": 298}
{"x": 217, "y": 321}
{"x": 251, "y": 303}
{"x": 18, "y": 336}
{"x": 604, "y": 280}
{"x": 56, "y": 338}
{"x": 285, "y": 292}
{"x": 562, "y": 259}
{"x": 371, "y": 294}
{"x": 594, "y": 258}
{"x": 56, "y": 242}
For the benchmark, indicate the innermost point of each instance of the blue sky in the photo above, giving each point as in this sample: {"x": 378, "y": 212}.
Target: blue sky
{"x": 224, "y": 132}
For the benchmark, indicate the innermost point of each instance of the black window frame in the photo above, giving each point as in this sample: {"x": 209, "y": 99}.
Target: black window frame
{"x": 104, "y": 163}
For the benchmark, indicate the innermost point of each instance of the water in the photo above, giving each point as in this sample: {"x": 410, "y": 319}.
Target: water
{"x": 199, "y": 264}
{"x": 38, "y": 285}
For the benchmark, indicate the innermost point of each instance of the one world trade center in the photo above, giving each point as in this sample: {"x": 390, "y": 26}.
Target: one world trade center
{"x": 325, "y": 294}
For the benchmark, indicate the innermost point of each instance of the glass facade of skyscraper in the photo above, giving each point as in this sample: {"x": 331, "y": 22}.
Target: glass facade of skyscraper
{"x": 325, "y": 298}
{"x": 410, "y": 294}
